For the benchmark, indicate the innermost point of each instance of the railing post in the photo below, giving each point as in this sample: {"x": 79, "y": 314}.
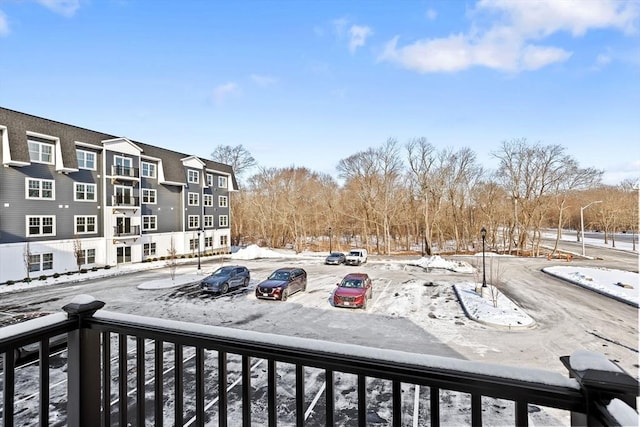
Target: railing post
{"x": 601, "y": 381}
{"x": 83, "y": 365}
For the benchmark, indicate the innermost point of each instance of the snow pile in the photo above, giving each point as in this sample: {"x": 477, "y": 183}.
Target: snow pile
{"x": 255, "y": 252}
{"x": 481, "y": 308}
{"x": 437, "y": 261}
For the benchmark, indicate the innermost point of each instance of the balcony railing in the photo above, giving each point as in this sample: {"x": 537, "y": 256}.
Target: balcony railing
{"x": 125, "y": 201}
{"x": 177, "y": 373}
{"x": 125, "y": 171}
{"x": 121, "y": 231}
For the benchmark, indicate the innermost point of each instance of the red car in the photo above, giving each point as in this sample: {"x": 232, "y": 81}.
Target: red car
{"x": 354, "y": 291}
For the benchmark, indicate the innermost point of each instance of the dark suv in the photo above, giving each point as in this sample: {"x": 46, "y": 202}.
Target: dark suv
{"x": 282, "y": 283}
{"x": 225, "y": 278}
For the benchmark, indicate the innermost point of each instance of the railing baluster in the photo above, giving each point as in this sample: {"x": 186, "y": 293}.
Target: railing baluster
{"x": 122, "y": 379}
{"x": 362, "y": 401}
{"x": 476, "y": 410}
{"x": 271, "y": 393}
{"x": 8, "y": 388}
{"x": 434, "y": 406}
{"x": 44, "y": 382}
{"x": 299, "y": 395}
{"x": 329, "y": 399}
{"x": 522, "y": 413}
{"x": 246, "y": 391}
{"x": 179, "y": 387}
{"x": 106, "y": 379}
{"x": 158, "y": 398}
{"x": 199, "y": 386}
{"x": 140, "y": 389}
{"x": 397, "y": 403}
{"x": 222, "y": 389}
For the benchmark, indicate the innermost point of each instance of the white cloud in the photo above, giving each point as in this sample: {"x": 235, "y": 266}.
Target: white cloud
{"x": 262, "y": 80}
{"x": 358, "y": 36}
{"x": 503, "y": 35}
{"x": 222, "y": 92}
{"x": 4, "y": 24}
{"x": 63, "y": 7}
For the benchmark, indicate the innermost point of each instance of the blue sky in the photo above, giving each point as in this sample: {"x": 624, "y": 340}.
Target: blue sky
{"x": 308, "y": 83}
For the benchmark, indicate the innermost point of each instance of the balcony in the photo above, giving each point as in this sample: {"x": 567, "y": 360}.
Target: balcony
{"x": 124, "y": 201}
{"x": 133, "y": 370}
{"x": 123, "y": 231}
{"x": 125, "y": 172}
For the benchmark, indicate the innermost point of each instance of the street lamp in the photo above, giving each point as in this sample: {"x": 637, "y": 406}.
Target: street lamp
{"x": 582, "y": 222}
{"x": 199, "y": 231}
{"x": 330, "y": 247}
{"x": 483, "y": 232}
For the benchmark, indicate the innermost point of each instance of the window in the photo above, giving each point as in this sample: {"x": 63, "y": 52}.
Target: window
{"x": 223, "y": 221}
{"x": 40, "y": 189}
{"x": 224, "y": 240}
{"x": 122, "y": 166}
{"x": 148, "y": 170}
{"x": 149, "y": 196}
{"x": 87, "y": 256}
{"x": 149, "y": 249}
{"x": 40, "y": 262}
{"x": 86, "y": 159}
{"x": 86, "y": 224}
{"x": 84, "y": 192}
{"x": 194, "y": 221}
{"x": 208, "y": 221}
{"x": 222, "y": 181}
{"x": 194, "y": 199}
{"x": 210, "y": 179}
{"x": 43, "y": 225}
{"x": 208, "y": 200}
{"x": 223, "y": 201}
{"x": 149, "y": 222}
{"x": 40, "y": 152}
{"x": 193, "y": 176}
{"x": 208, "y": 242}
{"x": 193, "y": 244}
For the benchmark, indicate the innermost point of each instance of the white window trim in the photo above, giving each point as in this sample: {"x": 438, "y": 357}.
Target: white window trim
{"x": 193, "y": 176}
{"x": 210, "y": 178}
{"x": 26, "y": 189}
{"x": 197, "y": 199}
{"x": 40, "y": 262}
{"x": 226, "y": 221}
{"x": 85, "y": 256}
{"x": 197, "y": 221}
{"x": 208, "y": 200}
{"x": 155, "y": 170}
{"x": 226, "y": 201}
{"x": 85, "y": 152}
{"x": 53, "y": 225}
{"x": 155, "y": 223}
{"x": 222, "y": 182}
{"x": 207, "y": 221}
{"x": 75, "y": 224}
{"x": 153, "y": 249}
{"x": 40, "y": 144}
{"x": 150, "y": 191}
{"x": 86, "y": 184}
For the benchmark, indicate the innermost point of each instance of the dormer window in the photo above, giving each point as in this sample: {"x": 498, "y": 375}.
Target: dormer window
{"x": 222, "y": 181}
{"x": 40, "y": 152}
{"x": 193, "y": 176}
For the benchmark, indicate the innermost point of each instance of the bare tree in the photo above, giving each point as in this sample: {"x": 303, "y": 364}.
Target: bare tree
{"x": 78, "y": 253}
{"x": 238, "y": 157}
{"x": 172, "y": 258}
{"x": 26, "y": 257}
{"x": 421, "y": 158}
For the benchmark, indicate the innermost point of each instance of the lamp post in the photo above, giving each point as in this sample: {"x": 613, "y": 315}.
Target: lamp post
{"x": 199, "y": 231}
{"x": 582, "y": 222}
{"x": 330, "y": 247}
{"x": 483, "y": 232}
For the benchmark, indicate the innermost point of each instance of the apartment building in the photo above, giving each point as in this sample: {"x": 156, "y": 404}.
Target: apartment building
{"x": 69, "y": 195}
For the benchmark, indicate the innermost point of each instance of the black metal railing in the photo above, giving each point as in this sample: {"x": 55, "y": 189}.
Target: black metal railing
{"x": 125, "y": 171}
{"x": 123, "y": 231}
{"x": 120, "y": 200}
{"x": 134, "y": 370}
